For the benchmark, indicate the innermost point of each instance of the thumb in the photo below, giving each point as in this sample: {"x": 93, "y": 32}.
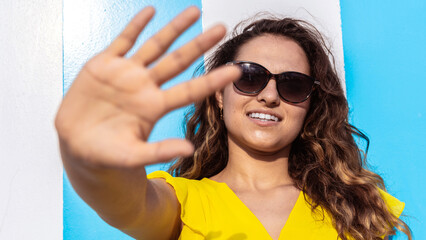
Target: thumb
{"x": 164, "y": 151}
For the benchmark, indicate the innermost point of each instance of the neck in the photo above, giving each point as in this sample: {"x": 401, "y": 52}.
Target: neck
{"x": 249, "y": 169}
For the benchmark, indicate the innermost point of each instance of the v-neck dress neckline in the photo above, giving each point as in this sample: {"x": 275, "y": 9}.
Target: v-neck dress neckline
{"x": 210, "y": 210}
{"x": 236, "y": 201}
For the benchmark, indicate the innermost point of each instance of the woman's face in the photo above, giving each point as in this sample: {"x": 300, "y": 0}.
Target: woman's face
{"x": 278, "y": 54}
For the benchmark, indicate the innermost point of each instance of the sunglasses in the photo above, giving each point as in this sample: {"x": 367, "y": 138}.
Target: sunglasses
{"x": 293, "y": 87}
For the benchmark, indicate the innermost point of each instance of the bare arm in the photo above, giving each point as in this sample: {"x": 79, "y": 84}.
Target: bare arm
{"x": 108, "y": 113}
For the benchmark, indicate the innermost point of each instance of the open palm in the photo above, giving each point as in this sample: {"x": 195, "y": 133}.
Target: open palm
{"x": 113, "y": 104}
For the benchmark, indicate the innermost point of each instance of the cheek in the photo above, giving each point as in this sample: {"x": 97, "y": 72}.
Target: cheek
{"x": 297, "y": 115}
{"x": 230, "y": 112}
{"x": 231, "y": 101}
{"x": 302, "y": 110}
{"x": 301, "y": 120}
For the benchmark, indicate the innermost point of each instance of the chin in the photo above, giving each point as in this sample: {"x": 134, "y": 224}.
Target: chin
{"x": 267, "y": 145}
{"x": 270, "y": 149}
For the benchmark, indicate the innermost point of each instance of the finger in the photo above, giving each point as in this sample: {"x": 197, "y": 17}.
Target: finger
{"x": 159, "y": 152}
{"x": 160, "y": 42}
{"x": 199, "y": 88}
{"x": 182, "y": 58}
{"x": 124, "y": 42}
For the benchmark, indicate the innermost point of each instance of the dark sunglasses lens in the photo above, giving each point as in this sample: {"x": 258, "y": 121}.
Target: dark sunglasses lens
{"x": 295, "y": 87}
{"x": 252, "y": 80}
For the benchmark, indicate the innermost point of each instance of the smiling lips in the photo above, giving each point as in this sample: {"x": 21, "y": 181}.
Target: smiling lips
{"x": 263, "y": 117}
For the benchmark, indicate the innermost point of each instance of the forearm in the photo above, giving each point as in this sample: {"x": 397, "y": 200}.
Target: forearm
{"x": 117, "y": 195}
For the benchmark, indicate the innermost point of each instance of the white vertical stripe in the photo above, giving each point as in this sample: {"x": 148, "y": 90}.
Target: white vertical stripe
{"x": 325, "y": 15}
{"x": 30, "y": 91}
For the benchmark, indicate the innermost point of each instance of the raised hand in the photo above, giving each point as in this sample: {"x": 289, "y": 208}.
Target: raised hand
{"x": 109, "y": 111}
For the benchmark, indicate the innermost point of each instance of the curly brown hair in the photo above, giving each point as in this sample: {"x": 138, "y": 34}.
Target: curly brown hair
{"x": 325, "y": 161}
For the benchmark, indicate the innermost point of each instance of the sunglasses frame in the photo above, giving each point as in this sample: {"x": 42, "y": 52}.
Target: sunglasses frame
{"x": 276, "y": 77}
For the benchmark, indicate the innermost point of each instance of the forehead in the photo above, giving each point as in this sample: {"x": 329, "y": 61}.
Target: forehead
{"x": 276, "y": 53}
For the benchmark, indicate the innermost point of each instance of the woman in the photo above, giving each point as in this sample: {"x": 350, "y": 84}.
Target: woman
{"x": 274, "y": 154}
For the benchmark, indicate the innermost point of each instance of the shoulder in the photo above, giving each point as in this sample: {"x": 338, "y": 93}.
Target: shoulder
{"x": 195, "y": 198}
{"x": 181, "y": 185}
{"x": 319, "y": 222}
{"x": 394, "y": 205}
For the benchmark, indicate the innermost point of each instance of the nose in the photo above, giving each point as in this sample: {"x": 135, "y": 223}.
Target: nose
{"x": 269, "y": 95}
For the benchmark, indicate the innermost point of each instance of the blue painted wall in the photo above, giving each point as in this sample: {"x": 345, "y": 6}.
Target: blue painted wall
{"x": 385, "y": 63}
{"x": 88, "y": 27}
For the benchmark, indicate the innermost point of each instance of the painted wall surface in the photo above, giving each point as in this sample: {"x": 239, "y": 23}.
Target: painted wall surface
{"x": 385, "y": 64}
{"x": 30, "y": 92}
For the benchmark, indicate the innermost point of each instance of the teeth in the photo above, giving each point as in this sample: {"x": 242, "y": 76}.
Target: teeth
{"x": 263, "y": 117}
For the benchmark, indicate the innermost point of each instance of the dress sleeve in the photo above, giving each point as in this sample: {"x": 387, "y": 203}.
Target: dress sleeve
{"x": 395, "y": 206}
{"x": 189, "y": 195}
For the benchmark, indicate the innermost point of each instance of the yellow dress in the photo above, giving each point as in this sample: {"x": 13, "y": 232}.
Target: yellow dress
{"x": 210, "y": 210}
